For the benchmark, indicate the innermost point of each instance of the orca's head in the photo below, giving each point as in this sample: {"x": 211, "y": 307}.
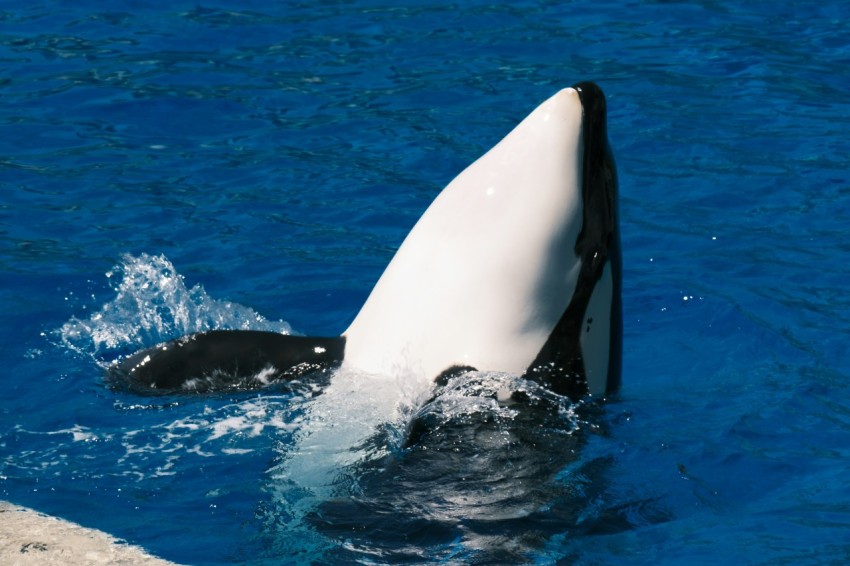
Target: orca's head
{"x": 581, "y": 355}
{"x": 515, "y": 266}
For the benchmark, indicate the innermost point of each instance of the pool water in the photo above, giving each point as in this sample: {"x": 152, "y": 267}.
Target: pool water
{"x": 167, "y": 169}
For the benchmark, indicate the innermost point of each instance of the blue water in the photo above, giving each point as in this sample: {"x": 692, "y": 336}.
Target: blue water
{"x": 167, "y": 167}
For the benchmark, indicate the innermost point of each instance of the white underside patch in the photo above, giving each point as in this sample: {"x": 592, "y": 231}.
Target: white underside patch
{"x": 596, "y": 334}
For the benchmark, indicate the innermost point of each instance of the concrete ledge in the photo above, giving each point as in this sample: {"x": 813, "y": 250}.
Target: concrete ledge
{"x": 29, "y": 537}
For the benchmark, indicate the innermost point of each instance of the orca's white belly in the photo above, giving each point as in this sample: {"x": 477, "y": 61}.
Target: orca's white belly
{"x": 486, "y": 273}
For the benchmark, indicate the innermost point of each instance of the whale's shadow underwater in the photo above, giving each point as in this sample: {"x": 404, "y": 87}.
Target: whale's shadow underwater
{"x": 481, "y": 481}
{"x": 505, "y": 301}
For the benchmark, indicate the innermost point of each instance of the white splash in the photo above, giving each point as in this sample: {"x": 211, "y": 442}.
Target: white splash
{"x": 152, "y": 304}
{"x": 337, "y": 427}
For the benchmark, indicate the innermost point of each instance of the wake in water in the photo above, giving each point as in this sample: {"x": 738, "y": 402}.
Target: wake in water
{"x": 326, "y": 433}
{"x": 153, "y": 304}
{"x": 485, "y": 466}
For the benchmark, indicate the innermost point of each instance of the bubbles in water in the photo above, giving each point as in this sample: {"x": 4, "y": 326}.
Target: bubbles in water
{"x": 153, "y": 304}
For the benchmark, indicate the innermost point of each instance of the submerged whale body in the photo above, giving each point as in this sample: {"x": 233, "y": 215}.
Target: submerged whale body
{"x": 515, "y": 267}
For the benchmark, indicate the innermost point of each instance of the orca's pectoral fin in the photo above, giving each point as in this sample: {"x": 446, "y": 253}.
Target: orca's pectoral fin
{"x": 224, "y": 360}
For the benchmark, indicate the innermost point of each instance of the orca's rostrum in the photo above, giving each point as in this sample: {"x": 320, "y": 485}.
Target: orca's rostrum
{"x": 515, "y": 267}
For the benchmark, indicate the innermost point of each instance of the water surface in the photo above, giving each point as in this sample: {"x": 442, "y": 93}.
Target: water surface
{"x": 170, "y": 168}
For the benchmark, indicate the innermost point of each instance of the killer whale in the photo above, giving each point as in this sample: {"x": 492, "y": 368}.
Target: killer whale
{"x": 514, "y": 267}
